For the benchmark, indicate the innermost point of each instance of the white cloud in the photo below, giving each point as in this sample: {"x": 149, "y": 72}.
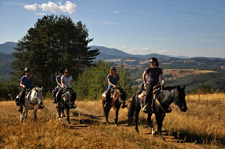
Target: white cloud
{"x": 115, "y": 12}
{"x": 53, "y": 7}
{"x": 32, "y": 7}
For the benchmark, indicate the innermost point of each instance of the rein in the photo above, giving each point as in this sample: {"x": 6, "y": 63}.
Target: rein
{"x": 160, "y": 105}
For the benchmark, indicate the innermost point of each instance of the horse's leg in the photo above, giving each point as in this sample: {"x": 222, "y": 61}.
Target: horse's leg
{"x": 25, "y": 114}
{"x": 136, "y": 118}
{"x": 159, "y": 120}
{"x": 59, "y": 112}
{"x": 35, "y": 114}
{"x": 106, "y": 110}
{"x": 68, "y": 114}
{"x": 116, "y": 119}
{"x": 22, "y": 115}
{"x": 150, "y": 122}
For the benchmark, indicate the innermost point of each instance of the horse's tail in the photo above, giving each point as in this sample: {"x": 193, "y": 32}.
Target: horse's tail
{"x": 132, "y": 109}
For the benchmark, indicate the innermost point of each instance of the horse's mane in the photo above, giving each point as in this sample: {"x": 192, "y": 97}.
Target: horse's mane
{"x": 169, "y": 87}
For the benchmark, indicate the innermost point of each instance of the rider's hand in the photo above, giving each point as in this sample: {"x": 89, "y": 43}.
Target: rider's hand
{"x": 144, "y": 85}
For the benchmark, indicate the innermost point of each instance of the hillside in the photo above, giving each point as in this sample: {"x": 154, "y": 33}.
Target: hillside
{"x": 184, "y": 71}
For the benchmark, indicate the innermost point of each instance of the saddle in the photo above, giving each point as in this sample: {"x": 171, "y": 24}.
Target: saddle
{"x": 141, "y": 93}
{"x": 113, "y": 92}
{"x": 27, "y": 94}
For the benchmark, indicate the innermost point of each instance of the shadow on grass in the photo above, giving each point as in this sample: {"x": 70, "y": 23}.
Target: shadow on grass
{"x": 196, "y": 138}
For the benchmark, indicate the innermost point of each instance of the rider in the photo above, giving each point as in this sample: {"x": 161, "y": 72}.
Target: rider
{"x": 27, "y": 84}
{"x": 58, "y": 81}
{"x": 153, "y": 72}
{"x": 113, "y": 80}
{"x": 66, "y": 81}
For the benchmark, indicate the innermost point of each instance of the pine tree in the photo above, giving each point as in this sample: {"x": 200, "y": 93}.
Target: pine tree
{"x": 54, "y": 43}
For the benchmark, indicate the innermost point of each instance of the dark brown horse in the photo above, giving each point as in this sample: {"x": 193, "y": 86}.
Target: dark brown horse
{"x": 117, "y": 99}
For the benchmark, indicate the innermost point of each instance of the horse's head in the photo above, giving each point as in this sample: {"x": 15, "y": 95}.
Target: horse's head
{"x": 36, "y": 95}
{"x": 179, "y": 98}
{"x": 67, "y": 96}
{"x": 122, "y": 96}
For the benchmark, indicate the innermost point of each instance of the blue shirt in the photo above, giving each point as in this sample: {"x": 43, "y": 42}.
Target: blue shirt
{"x": 113, "y": 80}
{"x": 66, "y": 80}
{"x": 26, "y": 82}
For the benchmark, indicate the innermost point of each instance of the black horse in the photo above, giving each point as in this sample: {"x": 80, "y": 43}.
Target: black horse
{"x": 68, "y": 96}
{"x": 160, "y": 105}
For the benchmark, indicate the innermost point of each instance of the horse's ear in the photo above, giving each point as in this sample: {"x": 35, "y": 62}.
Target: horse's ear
{"x": 41, "y": 88}
{"x": 178, "y": 87}
{"x": 184, "y": 86}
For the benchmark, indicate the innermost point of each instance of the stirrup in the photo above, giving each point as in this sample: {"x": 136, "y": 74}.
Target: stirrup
{"x": 144, "y": 109}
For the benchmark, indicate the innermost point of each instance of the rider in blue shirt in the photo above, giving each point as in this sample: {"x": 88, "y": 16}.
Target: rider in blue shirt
{"x": 113, "y": 80}
{"x": 26, "y": 83}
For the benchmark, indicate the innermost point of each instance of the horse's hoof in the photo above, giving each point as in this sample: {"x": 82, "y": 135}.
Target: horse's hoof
{"x": 68, "y": 122}
{"x": 60, "y": 119}
{"x": 154, "y": 134}
{"x": 116, "y": 125}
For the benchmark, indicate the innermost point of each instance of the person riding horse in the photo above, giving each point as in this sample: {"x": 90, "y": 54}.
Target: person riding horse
{"x": 58, "y": 81}
{"x": 153, "y": 72}
{"x": 113, "y": 80}
{"x": 27, "y": 84}
{"x": 66, "y": 81}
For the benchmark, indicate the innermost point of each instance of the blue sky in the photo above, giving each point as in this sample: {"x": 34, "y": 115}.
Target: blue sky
{"x": 171, "y": 27}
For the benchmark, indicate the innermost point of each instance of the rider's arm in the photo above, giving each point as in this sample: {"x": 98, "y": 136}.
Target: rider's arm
{"x": 162, "y": 79}
{"x": 62, "y": 82}
{"x": 22, "y": 85}
{"x": 58, "y": 83}
{"x": 143, "y": 77}
{"x": 119, "y": 84}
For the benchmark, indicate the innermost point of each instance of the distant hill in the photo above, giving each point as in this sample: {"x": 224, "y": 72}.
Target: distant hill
{"x": 7, "y": 48}
{"x": 107, "y": 52}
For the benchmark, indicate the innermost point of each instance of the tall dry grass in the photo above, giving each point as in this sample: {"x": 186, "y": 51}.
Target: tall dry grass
{"x": 202, "y": 126}
{"x": 204, "y": 121}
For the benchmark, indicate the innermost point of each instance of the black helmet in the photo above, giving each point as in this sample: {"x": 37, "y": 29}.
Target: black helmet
{"x": 26, "y": 70}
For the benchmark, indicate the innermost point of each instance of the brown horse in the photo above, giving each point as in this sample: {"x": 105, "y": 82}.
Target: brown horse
{"x": 117, "y": 98}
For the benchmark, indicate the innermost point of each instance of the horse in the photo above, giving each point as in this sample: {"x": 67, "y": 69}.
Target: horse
{"x": 117, "y": 99}
{"x": 160, "y": 106}
{"x": 32, "y": 100}
{"x": 64, "y": 104}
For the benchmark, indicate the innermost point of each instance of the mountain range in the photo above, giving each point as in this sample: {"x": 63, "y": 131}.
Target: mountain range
{"x": 190, "y": 71}
{"x": 105, "y": 53}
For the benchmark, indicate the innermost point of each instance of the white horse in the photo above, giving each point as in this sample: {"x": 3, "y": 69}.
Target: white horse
{"x": 32, "y": 100}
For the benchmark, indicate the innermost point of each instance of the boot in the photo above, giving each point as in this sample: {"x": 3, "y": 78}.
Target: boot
{"x": 54, "y": 101}
{"x": 20, "y": 108}
{"x": 57, "y": 105}
{"x": 124, "y": 105}
{"x": 41, "y": 106}
{"x": 145, "y": 108}
{"x": 72, "y": 105}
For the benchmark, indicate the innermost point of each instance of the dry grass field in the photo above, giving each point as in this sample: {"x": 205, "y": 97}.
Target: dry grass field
{"x": 202, "y": 126}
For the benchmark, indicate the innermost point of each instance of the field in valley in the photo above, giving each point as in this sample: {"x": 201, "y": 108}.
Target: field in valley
{"x": 202, "y": 126}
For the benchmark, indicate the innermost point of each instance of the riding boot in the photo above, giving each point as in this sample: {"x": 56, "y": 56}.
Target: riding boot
{"x": 41, "y": 106}
{"x": 124, "y": 105}
{"x": 57, "y": 105}
{"x": 54, "y": 100}
{"x": 72, "y": 105}
{"x": 20, "y": 108}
